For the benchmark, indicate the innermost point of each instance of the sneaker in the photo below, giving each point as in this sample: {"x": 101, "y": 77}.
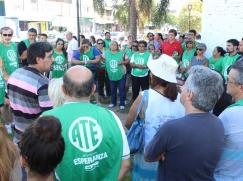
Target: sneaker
{"x": 111, "y": 106}
{"x": 122, "y": 107}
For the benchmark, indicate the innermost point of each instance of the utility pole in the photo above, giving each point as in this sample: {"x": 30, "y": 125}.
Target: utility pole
{"x": 78, "y": 21}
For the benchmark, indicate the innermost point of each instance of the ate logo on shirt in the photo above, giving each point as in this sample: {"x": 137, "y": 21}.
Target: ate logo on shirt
{"x": 59, "y": 59}
{"x": 85, "y": 58}
{"x": 113, "y": 64}
{"x": 85, "y": 134}
{"x": 211, "y": 66}
{"x": 11, "y": 55}
{"x": 140, "y": 61}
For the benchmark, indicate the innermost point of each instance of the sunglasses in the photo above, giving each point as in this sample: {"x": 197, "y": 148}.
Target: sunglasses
{"x": 100, "y": 43}
{"x": 134, "y": 46}
{"x": 199, "y": 49}
{"x": 9, "y": 35}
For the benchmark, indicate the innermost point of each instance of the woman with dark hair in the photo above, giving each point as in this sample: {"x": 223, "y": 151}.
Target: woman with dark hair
{"x": 42, "y": 148}
{"x": 59, "y": 66}
{"x": 215, "y": 62}
{"x": 116, "y": 73}
{"x": 138, "y": 62}
{"x": 187, "y": 56}
{"x": 92, "y": 41}
{"x": 163, "y": 104}
{"x": 102, "y": 76}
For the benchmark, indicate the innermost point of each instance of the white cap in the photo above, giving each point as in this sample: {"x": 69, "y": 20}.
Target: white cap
{"x": 164, "y": 67}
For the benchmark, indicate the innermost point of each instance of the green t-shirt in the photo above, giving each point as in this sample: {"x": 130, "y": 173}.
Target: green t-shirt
{"x": 59, "y": 65}
{"x": 186, "y": 59}
{"x": 216, "y": 64}
{"x": 2, "y": 88}
{"x": 114, "y": 70}
{"x": 141, "y": 59}
{"x": 227, "y": 62}
{"x": 107, "y": 43}
{"x": 128, "y": 52}
{"x": 93, "y": 142}
{"x": 86, "y": 56}
{"x": 10, "y": 57}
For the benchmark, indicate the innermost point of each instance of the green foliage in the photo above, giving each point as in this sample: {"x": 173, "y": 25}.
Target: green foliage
{"x": 121, "y": 14}
{"x": 99, "y": 6}
{"x": 196, "y": 13}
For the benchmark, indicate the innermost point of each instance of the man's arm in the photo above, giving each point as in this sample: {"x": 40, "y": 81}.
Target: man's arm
{"x": 155, "y": 151}
{"x": 43, "y": 98}
{"x": 5, "y": 75}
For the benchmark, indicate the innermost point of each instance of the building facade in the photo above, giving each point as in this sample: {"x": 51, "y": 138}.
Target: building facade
{"x": 221, "y": 20}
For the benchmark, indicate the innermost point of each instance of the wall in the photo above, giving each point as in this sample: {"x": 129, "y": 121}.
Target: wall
{"x": 221, "y": 20}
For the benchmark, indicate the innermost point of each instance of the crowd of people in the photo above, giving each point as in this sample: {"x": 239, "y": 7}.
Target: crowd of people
{"x": 192, "y": 111}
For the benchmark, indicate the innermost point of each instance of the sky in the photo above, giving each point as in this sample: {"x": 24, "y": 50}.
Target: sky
{"x": 176, "y": 5}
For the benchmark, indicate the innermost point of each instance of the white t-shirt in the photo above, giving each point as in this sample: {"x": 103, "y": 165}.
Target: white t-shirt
{"x": 160, "y": 110}
{"x": 72, "y": 46}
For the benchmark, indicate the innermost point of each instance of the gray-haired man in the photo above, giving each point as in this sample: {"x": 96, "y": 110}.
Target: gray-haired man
{"x": 189, "y": 148}
{"x": 230, "y": 166}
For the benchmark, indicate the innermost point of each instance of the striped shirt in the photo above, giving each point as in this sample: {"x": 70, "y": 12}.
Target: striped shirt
{"x": 230, "y": 166}
{"x": 28, "y": 96}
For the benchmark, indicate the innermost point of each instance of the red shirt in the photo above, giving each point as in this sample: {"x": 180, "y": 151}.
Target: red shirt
{"x": 169, "y": 48}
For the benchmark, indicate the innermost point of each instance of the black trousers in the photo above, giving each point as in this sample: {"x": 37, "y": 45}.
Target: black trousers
{"x": 103, "y": 81}
{"x": 138, "y": 82}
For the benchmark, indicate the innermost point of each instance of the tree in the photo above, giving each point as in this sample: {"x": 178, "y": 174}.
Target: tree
{"x": 139, "y": 12}
{"x": 121, "y": 14}
{"x": 195, "y": 17}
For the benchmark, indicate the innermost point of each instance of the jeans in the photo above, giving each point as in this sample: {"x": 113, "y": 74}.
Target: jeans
{"x": 121, "y": 86}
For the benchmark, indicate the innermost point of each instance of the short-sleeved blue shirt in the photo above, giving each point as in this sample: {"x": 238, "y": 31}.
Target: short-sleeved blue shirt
{"x": 192, "y": 146}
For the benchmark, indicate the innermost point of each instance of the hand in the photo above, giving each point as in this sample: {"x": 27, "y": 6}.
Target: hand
{"x": 162, "y": 157}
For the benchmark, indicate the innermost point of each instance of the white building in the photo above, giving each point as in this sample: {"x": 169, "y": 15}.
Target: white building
{"x": 221, "y": 20}
{"x": 59, "y": 15}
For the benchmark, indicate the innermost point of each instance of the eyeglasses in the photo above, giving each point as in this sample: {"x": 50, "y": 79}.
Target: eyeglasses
{"x": 60, "y": 44}
{"x": 9, "y": 35}
{"x": 142, "y": 46}
{"x": 134, "y": 46}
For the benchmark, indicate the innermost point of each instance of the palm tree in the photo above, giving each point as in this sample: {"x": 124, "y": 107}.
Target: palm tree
{"x": 137, "y": 9}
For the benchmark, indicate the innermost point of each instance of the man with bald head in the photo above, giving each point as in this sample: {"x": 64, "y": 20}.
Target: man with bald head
{"x": 96, "y": 147}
